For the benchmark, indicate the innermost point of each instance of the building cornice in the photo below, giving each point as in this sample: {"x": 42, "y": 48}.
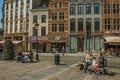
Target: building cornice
{"x": 42, "y": 9}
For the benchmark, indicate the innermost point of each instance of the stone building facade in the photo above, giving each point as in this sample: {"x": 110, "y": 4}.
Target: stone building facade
{"x": 39, "y": 33}
{"x": 16, "y": 19}
{"x": 85, "y": 28}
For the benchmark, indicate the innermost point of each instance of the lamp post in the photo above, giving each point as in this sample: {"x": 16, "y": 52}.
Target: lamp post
{"x": 66, "y": 33}
{"x": 37, "y": 43}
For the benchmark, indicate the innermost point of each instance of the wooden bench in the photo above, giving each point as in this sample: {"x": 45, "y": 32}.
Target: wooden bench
{"x": 102, "y": 70}
{"x": 82, "y": 65}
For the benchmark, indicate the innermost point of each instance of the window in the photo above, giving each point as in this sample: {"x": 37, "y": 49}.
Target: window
{"x": 97, "y": 24}
{"x": 80, "y": 24}
{"x": 16, "y": 3}
{"x": 72, "y": 25}
{"x": 43, "y": 20}
{"x": 60, "y": 4}
{"x": 118, "y": 27}
{"x": 107, "y": 24}
{"x": 54, "y": 27}
{"x": 16, "y": 25}
{"x": 80, "y": 9}
{"x": 11, "y": 24}
{"x": 88, "y": 9}
{"x": 28, "y": 1}
{"x": 6, "y": 6}
{"x": 27, "y": 25}
{"x": 72, "y": 9}
{"x": 96, "y": 8}
{"x": 35, "y": 18}
{"x": 88, "y": 25}
{"x": 22, "y": 2}
{"x": 55, "y": 5}
{"x": 34, "y": 31}
{"x": 6, "y": 16}
{"x": 118, "y": 11}
{"x": 116, "y": 24}
{"x": 22, "y": 11}
{"x": 54, "y": 16}
{"x": 6, "y": 27}
{"x": 21, "y": 26}
{"x": 43, "y": 31}
{"x": 116, "y": 8}
{"x": 106, "y": 8}
{"x": 16, "y": 13}
{"x": 61, "y": 15}
{"x": 28, "y": 8}
{"x": 11, "y": 4}
{"x": 61, "y": 27}
{"x": 11, "y": 13}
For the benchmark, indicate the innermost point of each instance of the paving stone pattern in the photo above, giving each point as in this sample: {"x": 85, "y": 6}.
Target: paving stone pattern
{"x": 45, "y": 73}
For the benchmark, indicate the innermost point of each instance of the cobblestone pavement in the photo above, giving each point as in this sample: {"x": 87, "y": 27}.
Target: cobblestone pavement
{"x": 10, "y": 70}
{"x": 75, "y": 74}
{"x": 46, "y": 70}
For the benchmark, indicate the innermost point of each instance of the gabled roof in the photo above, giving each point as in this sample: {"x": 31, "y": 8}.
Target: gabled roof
{"x": 41, "y": 4}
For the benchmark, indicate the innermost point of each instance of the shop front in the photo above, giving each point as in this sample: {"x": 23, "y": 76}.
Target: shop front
{"x": 57, "y": 45}
{"x": 80, "y": 43}
{"x": 73, "y": 43}
{"x": 18, "y": 45}
{"x": 112, "y": 44}
{"x": 42, "y": 43}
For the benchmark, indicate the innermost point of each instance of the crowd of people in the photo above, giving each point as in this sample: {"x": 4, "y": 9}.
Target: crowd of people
{"x": 24, "y": 57}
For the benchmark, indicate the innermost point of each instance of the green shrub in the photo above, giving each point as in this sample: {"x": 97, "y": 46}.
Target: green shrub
{"x": 8, "y": 50}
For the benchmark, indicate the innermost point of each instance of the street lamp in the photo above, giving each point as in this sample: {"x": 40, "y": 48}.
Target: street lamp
{"x": 37, "y": 43}
{"x": 66, "y": 33}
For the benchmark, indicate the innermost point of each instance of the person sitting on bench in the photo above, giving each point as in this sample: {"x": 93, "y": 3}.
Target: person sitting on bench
{"x": 19, "y": 56}
{"x": 88, "y": 60}
{"x": 99, "y": 63}
{"x": 101, "y": 60}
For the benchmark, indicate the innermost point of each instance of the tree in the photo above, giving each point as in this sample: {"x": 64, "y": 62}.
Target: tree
{"x": 1, "y": 34}
{"x": 8, "y": 50}
{"x": 1, "y": 31}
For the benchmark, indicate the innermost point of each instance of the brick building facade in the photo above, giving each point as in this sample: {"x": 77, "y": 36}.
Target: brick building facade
{"x": 58, "y": 24}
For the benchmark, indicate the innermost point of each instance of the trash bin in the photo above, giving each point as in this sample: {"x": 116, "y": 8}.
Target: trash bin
{"x": 57, "y": 59}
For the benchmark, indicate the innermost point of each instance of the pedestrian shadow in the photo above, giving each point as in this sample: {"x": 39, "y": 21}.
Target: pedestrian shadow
{"x": 112, "y": 73}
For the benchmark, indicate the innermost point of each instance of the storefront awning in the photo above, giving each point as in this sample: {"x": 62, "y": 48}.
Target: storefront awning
{"x": 17, "y": 42}
{"x": 58, "y": 41}
{"x": 112, "y": 39}
{"x": 34, "y": 41}
{"x": 14, "y": 42}
{"x": 1, "y": 42}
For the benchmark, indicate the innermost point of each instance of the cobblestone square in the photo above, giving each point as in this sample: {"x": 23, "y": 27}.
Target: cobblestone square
{"x": 46, "y": 70}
